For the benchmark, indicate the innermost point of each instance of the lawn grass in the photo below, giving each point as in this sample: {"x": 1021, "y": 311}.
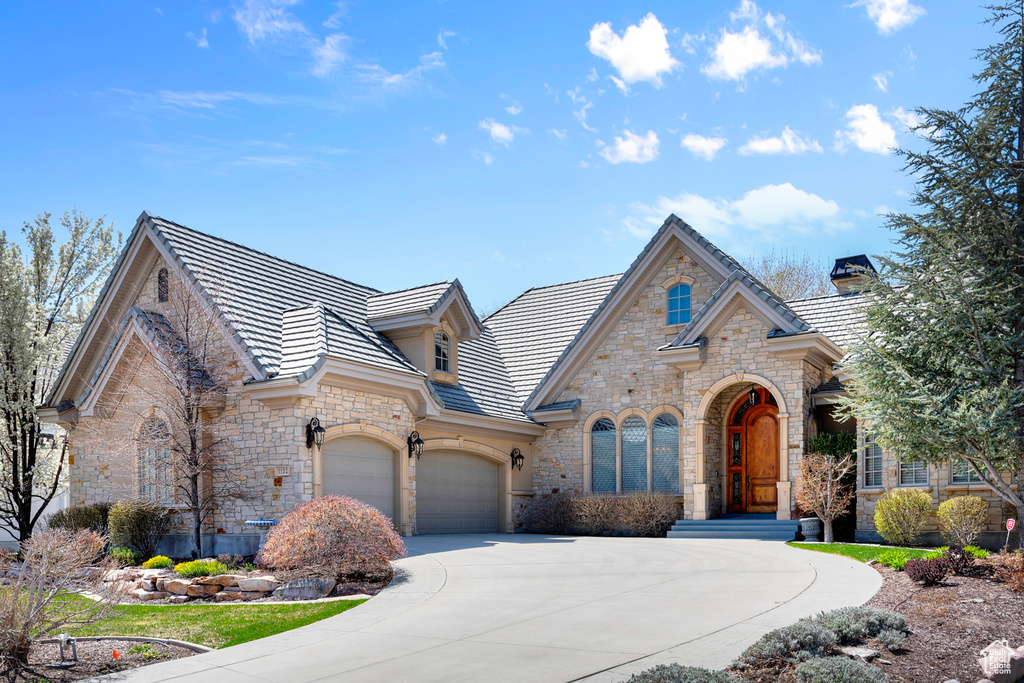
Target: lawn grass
{"x": 864, "y": 553}
{"x": 214, "y": 626}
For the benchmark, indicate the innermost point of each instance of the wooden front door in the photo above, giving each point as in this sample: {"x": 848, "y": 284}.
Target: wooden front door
{"x": 752, "y": 457}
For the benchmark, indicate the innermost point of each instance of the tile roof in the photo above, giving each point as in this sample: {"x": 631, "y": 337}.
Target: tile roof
{"x": 422, "y": 299}
{"x": 833, "y": 385}
{"x": 533, "y": 330}
{"x": 837, "y": 316}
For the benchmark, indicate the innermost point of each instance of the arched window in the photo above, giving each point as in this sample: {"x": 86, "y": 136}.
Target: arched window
{"x": 602, "y": 456}
{"x": 679, "y": 305}
{"x": 665, "y": 453}
{"x": 634, "y": 454}
{"x": 155, "y": 477}
{"x": 441, "y": 351}
{"x": 163, "y": 288}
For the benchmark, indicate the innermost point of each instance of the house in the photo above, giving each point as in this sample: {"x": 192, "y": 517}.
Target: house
{"x": 684, "y": 375}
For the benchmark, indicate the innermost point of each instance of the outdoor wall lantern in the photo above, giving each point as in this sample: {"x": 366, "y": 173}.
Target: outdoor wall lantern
{"x": 752, "y": 396}
{"x": 415, "y": 445}
{"x": 517, "y": 458}
{"x": 314, "y": 434}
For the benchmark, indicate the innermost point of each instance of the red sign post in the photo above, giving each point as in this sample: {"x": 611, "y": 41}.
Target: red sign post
{"x": 1010, "y": 523}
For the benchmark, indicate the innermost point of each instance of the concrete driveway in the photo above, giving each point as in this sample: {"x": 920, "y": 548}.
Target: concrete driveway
{"x": 534, "y": 608}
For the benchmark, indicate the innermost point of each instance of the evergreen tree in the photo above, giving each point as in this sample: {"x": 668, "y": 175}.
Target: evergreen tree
{"x": 939, "y": 372}
{"x": 42, "y": 303}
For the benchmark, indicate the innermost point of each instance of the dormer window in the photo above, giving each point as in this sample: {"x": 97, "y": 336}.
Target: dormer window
{"x": 442, "y": 352}
{"x": 679, "y": 305}
{"x": 163, "y": 288}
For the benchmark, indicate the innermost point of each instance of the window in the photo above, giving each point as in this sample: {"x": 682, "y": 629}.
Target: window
{"x": 913, "y": 473}
{"x": 962, "y": 473}
{"x": 441, "y": 351}
{"x": 163, "y": 288}
{"x": 155, "y": 477}
{"x": 665, "y": 453}
{"x": 679, "y": 305}
{"x": 634, "y": 454}
{"x": 602, "y": 456}
{"x": 872, "y": 464}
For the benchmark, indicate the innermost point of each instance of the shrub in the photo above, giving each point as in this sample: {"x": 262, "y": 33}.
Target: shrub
{"x": 89, "y": 517}
{"x": 158, "y": 562}
{"x": 646, "y": 513}
{"x": 231, "y": 559}
{"x": 853, "y": 624}
{"x": 197, "y": 568}
{"x": 978, "y": 553}
{"x": 895, "y": 558}
{"x": 552, "y": 514}
{"x": 832, "y": 669}
{"x": 901, "y": 514}
{"x": 892, "y": 639}
{"x": 592, "y": 515}
{"x": 1009, "y": 568}
{"x": 139, "y": 525}
{"x": 958, "y": 558}
{"x": 929, "y": 572}
{"x": 962, "y": 519}
{"x": 335, "y": 533}
{"x": 638, "y": 514}
{"x": 677, "y": 673}
{"x": 791, "y": 644}
{"x": 125, "y": 556}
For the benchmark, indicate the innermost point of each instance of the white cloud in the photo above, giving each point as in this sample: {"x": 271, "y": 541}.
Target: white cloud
{"x": 891, "y": 15}
{"x": 592, "y": 76}
{"x": 633, "y": 148}
{"x": 560, "y": 134}
{"x": 866, "y": 130}
{"x": 378, "y": 75}
{"x": 267, "y": 19}
{"x": 200, "y": 39}
{"x": 703, "y": 147}
{"x": 583, "y": 105}
{"x": 500, "y": 132}
{"x": 440, "y": 139}
{"x": 514, "y": 108}
{"x": 640, "y": 54}
{"x": 881, "y": 80}
{"x": 484, "y": 157}
{"x": 442, "y": 37}
{"x": 766, "y": 210}
{"x": 763, "y": 43}
{"x": 908, "y": 119}
{"x": 330, "y": 54}
{"x": 789, "y": 142}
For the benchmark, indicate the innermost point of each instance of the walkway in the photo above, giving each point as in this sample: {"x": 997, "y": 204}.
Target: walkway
{"x": 534, "y": 608}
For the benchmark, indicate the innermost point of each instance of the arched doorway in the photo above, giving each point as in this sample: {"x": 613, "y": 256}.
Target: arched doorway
{"x": 752, "y": 453}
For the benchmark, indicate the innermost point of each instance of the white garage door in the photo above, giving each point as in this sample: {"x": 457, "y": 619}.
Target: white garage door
{"x": 363, "y": 469}
{"x": 456, "y": 493}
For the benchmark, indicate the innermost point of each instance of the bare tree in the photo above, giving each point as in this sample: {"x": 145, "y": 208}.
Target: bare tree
{"x": 791, "y": 275}
{"x": 825, "y": 487}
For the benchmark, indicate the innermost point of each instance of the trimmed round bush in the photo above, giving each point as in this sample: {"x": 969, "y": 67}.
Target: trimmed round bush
{"x": 89, "y": 517}
{"x": 833, "y": 669}
{"x": 791, "y": 644}
{"x": 962, "y": 519}
{"x": 197, "y": 568}
{"x": 139, "y": 525}
{"x": 158, "y": 562}
{"x": 337, "y": 534}
{"x": 901, "y": 514}
{"x": 677, "y": 673}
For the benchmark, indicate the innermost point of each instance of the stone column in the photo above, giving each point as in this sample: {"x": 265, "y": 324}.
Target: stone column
{"x": 700, "y": 487}
{"x": 784, "y": 485}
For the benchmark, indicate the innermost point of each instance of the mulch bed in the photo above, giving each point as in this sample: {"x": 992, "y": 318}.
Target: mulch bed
{"x": 96, "y": 658}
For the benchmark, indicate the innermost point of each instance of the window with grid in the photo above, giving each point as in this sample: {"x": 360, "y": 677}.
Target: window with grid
{"x": 963, "y": 473}
{"x": 602, "y": 456}
{"x": 634, "y": 454}
{"x": 441, "y": 351}
{"x": 913, "y": 473}
{"x": 154, "y": 459}
{"x": 665, "y": 453}
{"x": 872, "y": 464}
{"x": 679, "y": 305}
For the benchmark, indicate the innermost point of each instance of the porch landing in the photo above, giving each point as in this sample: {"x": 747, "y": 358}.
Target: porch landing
{"x": 757, "y": 527}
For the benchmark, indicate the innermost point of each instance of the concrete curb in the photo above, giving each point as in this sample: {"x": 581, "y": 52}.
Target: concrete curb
{"x": 195, "y": 647}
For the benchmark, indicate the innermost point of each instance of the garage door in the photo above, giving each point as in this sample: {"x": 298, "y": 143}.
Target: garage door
{"x": 363, "y": 469}
{"x": 456, "y": 493}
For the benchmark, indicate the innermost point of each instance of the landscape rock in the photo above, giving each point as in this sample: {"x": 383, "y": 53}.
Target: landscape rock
{"x": 198, "y": 590}
{"x": 144, "y": 585}
{"x": 224, "y": 580}
{"x": 306, "y": 589}
{"x": 263, "y": 584}
{"x": 865, "y": 654}
{"x": 121, "y": 575}
{"x": 149, "y": 595}
{"x": 1001, "y": 663}
{"x": 154, "y": 574}
{"x": 176, "y": 586}
{"x": 178, "y": 599}
{"x": 229, "y": 594}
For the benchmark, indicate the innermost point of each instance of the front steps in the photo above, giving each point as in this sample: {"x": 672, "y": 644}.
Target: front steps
{"x": 757, "y": 527}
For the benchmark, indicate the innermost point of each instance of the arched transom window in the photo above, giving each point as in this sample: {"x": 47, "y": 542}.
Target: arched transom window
{"x": 442, "y": 348}
{"x": 679, "y": 305}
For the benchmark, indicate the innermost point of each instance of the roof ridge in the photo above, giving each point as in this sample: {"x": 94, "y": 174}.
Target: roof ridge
{"x": 825, "y": 296}
{"x": 263, "y": 253}
{"x": 409, "y": 289}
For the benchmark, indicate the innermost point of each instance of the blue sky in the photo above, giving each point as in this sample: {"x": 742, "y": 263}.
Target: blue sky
{"x": 507, "y": 144}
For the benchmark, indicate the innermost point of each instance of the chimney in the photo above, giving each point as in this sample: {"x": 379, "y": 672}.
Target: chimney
{"x": 848, "y": 273}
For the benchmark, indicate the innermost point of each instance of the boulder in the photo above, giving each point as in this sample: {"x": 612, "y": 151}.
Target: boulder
{"x": 178, "y": 599}
{"x": 176, "y": 586}
{"x": 229, "y": 594}
{"x": 865, "y": 654}
{"x": 144, "y": 585}
{"x": 154, "y": 574}
{"x": 262, "y": 584}
{"x": 121, "y": 575}
{"x": 148, "y": 595}
{"x": 199, "y": 590}
{"x": 223, "y": 580}
{"x": 1001, "y": 663}
{"x": 306, "y": 589}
